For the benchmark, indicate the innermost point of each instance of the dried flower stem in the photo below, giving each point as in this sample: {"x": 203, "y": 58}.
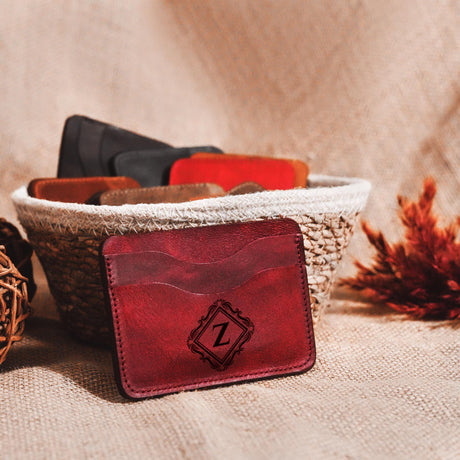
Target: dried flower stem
{"x": 420, "y": 276}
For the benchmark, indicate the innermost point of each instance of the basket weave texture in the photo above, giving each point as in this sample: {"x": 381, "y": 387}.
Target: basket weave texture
{"x": 14, "y": 304}
{"x": 67, "y": 237}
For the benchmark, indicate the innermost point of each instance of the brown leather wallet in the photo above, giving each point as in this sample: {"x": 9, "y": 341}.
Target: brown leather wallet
{"x": 301, "y": 170}
{"x": 171, "y": 193}
{"x": 76, "y": 189}
{"x": 201, "y": 307}
{"x": 161, "y": 194}
{"x": 246, "y": 187}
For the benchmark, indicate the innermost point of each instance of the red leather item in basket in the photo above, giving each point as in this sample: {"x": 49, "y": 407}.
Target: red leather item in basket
{"x": 76, "y": 189}
{"x": 208, "y": 306}
{"x": 270, "y": 173}
{"x": 301, "y": 170}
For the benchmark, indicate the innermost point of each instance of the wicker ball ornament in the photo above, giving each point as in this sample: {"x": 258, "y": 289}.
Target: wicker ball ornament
{"x": 14, "y": 304}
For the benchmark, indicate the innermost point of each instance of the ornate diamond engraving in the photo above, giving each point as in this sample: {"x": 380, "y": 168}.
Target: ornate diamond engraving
{"x": 220, "y": 334}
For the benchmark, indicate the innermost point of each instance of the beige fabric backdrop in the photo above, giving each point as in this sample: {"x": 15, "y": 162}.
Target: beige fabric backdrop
{"x": 370, "y": 89}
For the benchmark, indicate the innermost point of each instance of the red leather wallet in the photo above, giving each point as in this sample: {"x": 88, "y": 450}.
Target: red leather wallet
{"x": 76, "y": 189}
{"x": 201, "y": 307}
{"x": 301, "y": 170}
{"x": 270, "y": 173}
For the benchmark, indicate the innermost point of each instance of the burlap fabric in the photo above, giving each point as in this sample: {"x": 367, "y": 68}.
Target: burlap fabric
{"x": 367, "y": 89}
{"x": 381, "y": 389}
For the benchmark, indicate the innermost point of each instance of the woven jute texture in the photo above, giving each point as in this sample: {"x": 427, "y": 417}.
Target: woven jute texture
{"x": 381, "y": 388}
{"x": 67, "y": 238}
{"x": 355, "y": 88}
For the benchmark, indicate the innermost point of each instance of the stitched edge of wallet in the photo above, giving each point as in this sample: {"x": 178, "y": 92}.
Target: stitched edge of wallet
{"x": 152, "y": 391}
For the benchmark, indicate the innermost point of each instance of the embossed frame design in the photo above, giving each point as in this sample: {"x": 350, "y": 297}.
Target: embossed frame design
{"x": 232, "y": 314}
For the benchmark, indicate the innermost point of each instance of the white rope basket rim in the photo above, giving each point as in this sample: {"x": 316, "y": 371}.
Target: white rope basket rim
{"x": 324, "y": 195}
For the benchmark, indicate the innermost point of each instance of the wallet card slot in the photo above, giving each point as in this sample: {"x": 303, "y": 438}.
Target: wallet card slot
{"x": 211, "y": 288}
{"x": 158, "y": 267}
{"x": 200, "y": 244}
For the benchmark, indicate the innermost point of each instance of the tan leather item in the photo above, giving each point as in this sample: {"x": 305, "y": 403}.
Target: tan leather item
{"x": 161, "y": 194}
{"x": 301, "y": 170}
{"x": 76, "y": 189}
{"x": 246, "y": 187}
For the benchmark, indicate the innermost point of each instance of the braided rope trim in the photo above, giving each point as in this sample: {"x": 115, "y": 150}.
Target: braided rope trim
{"x": 325, "y": 194}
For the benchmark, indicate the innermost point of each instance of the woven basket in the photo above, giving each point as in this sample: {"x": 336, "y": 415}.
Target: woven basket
{"x": 67, "y": 236}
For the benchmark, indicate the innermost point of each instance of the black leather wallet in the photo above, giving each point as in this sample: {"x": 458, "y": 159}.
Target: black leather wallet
{"x": 94, "y": 148}
{"x": 88, "y": 147}
{"x": 151, "y": 167}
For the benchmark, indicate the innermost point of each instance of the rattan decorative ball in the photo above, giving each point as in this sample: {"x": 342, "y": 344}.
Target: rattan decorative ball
{"x": 14, "y": 304}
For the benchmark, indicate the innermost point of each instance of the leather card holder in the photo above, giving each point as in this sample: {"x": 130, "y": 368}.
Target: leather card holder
{"x": 270, "y": 173}
{"x": 301, "y": 169}
{"x": 88, "y": 146}
{"x": 76, "y": 189}
{"x": 207, "y": 306}
{"x": 161, "y": 194}
{"x": 151, "y": 167}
